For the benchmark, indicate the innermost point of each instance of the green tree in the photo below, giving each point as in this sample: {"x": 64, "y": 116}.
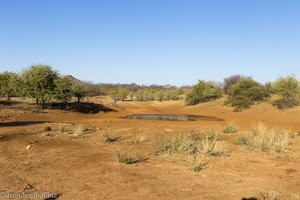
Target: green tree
{"x": 63, "y": 89}
{"x": 202, "y": 92}
{"x": 79, "y": 91}
{"x": 120, "y": 94}
{"x": 289, "y": 90}
{"x": 9, "y": 84}
{"x": 39, "y": 83}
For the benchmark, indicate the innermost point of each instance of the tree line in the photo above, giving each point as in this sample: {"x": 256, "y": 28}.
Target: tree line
{"x": 43, "y": 84}
{"x": 244, "y": 91}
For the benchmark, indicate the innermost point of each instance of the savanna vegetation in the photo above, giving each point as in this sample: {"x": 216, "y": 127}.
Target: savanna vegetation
{"x": 44, "y": 84}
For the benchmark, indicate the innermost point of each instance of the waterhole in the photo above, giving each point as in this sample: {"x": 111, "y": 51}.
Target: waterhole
{"x": 173, "y": 117}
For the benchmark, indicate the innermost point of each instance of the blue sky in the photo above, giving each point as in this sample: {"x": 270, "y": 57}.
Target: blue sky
{"x": 152, "y": 41}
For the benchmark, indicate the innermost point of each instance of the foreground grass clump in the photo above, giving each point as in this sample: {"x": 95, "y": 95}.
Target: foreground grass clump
{"x": 107, "y": 138}
{"x": 124, "y": 158}
{"x": 231, "y": 127}
{"x": 262, "y": 139}
{"x": 213, "y": 148}
{"x": 182, "y": 144}
{"x": 295, "y": 196}
{"x": 270, "y": 195}
{"x": 209, "y": 143}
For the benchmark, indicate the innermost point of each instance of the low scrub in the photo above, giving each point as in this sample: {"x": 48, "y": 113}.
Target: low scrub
{"x": 182, "y": 144}
{"x": 209, "y": 143}
{"x": 231, "y": 127}
{"x": 124, "y": 158}
{"x": 213, "y": 147}
{"x": 107, "y": 138}
{"x": 262, "y": 139}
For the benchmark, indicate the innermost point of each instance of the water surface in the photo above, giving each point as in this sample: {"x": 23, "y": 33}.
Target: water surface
{"x": 173, "y": 117}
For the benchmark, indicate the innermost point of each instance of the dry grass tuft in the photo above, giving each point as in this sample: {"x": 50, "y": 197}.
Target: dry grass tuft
{"x": 124, "y": 158}
{"x": 209, "y": 144}
{"x": 270, "y": 195}
{"x": 231, "y": 127}
{"x": 262, "y": 139}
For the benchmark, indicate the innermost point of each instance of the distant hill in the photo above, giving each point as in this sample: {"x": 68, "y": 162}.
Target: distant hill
{"x": 74, "y": 80}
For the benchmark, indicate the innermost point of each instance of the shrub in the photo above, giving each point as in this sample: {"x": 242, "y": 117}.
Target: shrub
{"x": 231, "y": 80}
{"x": 202, "y": 92}
{"x": 270, "y": 87}
{"x": 262, "y": 139}
{"x": 245, "y": 93}
{"x": 231, "y": 127}
{"x": 289, "y": 90}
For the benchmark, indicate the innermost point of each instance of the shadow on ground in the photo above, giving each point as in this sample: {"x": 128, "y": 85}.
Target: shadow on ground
{"x": 9, "y": 103}
{"x": 20, "y": 123}
{"x": 84, "y": 107}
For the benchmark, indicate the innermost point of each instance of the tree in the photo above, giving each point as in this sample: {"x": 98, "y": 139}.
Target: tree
{"x": 9, "y": 84}
{"x": 39, "y": 83}
{"x": 202, "y": 92}
{"x": 63, "y": 89}
{"x": 79, "y": 91}
{"x": 120, "y": 93}
{"x": 289, "y": 90}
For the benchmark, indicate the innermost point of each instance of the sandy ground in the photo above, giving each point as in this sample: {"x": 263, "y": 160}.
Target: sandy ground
{"x": 35, "y": 160}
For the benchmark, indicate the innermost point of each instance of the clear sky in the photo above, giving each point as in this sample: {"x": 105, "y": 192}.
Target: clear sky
{"x": 152, "y": 41}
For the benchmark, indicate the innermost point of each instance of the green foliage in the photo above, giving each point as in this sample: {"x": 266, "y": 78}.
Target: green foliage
{"x": 63, "y": 89}
{"x": 39, "y": 83}
{"x": 289, "y": 90}
{"x": 244, "y": 93}
{"x": 120, "y": 93}
{"x": 202, "y": 92}
{"x": 270, "y": 87}
{"x": 79, "y": 91}
{"x": 231, "y": 80}
{"x": 9, "y": 84}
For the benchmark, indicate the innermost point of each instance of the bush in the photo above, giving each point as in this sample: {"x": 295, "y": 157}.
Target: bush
{"x": 289, "y": 90}
{"x": 202, "y": 92}
{"x": 231, "y": 80}
{"x": 245, "y": 93}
